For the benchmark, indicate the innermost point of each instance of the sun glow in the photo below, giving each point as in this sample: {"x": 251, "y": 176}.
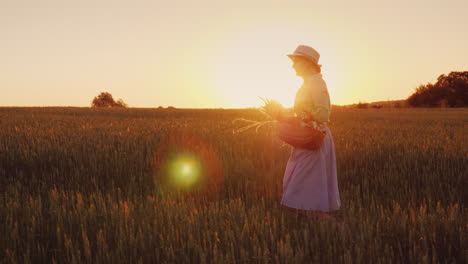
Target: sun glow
{"x": 255, "y": 65}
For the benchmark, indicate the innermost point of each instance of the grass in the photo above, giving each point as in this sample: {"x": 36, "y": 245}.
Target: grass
{"x": 90, "y": 185}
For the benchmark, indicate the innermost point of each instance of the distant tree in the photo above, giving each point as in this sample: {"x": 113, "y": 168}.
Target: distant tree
{"x": 121, "y": 103}
{"x": 105, "y": 99}
{"x": 449, "y": 91}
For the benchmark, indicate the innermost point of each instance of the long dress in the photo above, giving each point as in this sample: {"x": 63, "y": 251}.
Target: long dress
{"x": 310, "y": 179}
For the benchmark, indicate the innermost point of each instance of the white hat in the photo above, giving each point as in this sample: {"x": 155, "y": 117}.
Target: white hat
{"x": 307, "y": 52}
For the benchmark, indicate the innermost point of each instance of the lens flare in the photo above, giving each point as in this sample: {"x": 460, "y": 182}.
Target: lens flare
{"x": 184, "y": 170}
{"x": 188, "y": 163}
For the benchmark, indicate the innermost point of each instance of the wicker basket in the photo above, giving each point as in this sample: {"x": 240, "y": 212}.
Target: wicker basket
{"x": 291, "y": 132}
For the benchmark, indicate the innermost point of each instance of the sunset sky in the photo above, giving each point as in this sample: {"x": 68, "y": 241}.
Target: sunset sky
{"x": 207, "y": 53}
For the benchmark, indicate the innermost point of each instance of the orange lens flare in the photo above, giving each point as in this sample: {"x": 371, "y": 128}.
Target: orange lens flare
{"x": 185, "y": 170}
{"x": 186, "y": 163}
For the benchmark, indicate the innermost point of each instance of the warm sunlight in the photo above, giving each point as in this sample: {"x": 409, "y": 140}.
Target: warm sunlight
{"x": 254, "y": 64}
{"x": 233, "y": 131}
{"x": 217, "y": 54}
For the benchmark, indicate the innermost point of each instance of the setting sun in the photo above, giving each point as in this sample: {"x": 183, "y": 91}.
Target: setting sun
{"x": 221, "y": 55}
{"x": 249, "y": 66}
{"x": 247, "y": 131}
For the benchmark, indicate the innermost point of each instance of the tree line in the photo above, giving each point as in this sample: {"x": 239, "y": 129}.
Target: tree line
{"x": 449, "y": 91}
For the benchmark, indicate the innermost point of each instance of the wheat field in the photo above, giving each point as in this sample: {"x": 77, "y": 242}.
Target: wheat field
{"x": 85, "y": 185}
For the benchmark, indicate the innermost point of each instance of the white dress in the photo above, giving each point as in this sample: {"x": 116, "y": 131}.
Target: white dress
{"x": 310, "y": 181}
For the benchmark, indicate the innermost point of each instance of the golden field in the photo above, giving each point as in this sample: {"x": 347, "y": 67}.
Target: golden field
{"x": 85, "y": 185}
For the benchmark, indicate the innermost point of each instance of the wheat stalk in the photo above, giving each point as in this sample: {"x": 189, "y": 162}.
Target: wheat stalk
{"x": 272, "y": 110}
{"x": 253, "y": 124}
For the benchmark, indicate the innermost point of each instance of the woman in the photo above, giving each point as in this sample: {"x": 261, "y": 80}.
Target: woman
{"x": 310, "y": 181}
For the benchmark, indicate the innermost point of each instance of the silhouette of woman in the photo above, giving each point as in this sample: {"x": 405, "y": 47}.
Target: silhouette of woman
{"x": 310, "y": 180}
